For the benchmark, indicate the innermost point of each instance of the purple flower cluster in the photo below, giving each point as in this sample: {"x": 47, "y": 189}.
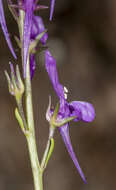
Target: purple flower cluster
{"x": 34, "y": 26}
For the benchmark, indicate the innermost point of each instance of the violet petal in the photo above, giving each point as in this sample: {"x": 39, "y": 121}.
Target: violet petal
{"x": 52, "y": 8}
{"x": 83, "y": 110}
{"x": 5, "y": 30}
{"x": 50, "y": 64}
{"x": 64, "y": 131}
{"x": 37, "y": 28}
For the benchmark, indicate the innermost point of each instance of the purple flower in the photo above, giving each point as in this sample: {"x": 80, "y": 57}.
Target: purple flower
{"x": 4, "y": 28}
{"x": 52, "y": 8}
{"x": 80, "y": 110}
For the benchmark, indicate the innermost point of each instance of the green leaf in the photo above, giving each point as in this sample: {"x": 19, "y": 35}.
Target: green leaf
{"x": 20, "y": 82}
{"x": 10, "y": 86}
{"x": 50, "y": 150}
{"x": 19, "y": 119}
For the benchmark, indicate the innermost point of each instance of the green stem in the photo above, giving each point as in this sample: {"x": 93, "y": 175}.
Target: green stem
{"x": 37, "y": 173}
{"x": 30, "y": 133}
{"x": 31, "y": 139}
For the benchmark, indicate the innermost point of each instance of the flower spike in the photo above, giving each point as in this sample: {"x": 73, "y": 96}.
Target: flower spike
{"x": 5, "y": 30}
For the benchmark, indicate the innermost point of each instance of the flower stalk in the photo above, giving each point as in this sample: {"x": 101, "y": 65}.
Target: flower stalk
{"x": 30, "y": 136}
{"x": 30, "y": 133}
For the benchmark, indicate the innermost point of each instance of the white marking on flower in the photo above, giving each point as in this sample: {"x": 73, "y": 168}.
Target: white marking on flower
{"x": 65, "y": 95}
{"x": 65, "y": 92}
{"x": 65, "y": 89}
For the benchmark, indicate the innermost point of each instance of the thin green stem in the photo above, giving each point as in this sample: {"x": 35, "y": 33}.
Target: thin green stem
{"x": 31, "y": 139}
{"x": 30, "y": 133}
{"x": 28, "y": 98}
{"x": 37, "y": 173}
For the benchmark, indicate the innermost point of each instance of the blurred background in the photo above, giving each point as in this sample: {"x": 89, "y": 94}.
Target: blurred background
{"x": 82, "y": 38}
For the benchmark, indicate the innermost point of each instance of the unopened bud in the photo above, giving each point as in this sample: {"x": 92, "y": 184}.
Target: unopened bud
{"x": 15, "y": 83}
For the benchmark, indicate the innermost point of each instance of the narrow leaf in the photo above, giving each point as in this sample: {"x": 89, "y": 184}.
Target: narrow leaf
{"x": 50, "y": 150}
{"x": 19, "y": 119}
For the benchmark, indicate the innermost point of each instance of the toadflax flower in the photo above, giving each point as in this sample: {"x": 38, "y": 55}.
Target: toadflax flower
{"x": 5, "y": 30}
{"x": 80, "y": 110}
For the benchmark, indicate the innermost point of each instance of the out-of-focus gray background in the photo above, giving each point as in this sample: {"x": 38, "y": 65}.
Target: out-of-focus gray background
{"x": 82, "y": 37}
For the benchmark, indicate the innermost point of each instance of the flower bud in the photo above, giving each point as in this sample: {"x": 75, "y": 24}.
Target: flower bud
{"x": 15, "y": 83}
